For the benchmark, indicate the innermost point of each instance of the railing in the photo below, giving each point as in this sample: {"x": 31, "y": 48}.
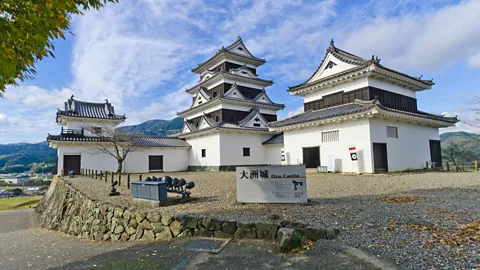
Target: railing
{"x": 107, "y": 176}
{"x": 72, "y": 132}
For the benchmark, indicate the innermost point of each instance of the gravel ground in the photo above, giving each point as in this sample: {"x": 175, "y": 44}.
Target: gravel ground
{"x": 352, "y": 204}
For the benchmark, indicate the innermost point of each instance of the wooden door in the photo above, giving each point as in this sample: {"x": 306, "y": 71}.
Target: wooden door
{"x": 380, "y": 161}
{"x": 436, "y": 153}
{"x": 71, "y": 163}
{"x": 311, "y": 157}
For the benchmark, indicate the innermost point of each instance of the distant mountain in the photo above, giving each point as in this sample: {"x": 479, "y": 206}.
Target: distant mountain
{"x": 20, "y": 157}
{"x": 156, "y": 127}
{"x": 462, "y": 145}
{"x": 459, "y": 135}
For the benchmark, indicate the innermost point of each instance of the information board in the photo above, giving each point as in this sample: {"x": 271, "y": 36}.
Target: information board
{"x": 272, "y": 184}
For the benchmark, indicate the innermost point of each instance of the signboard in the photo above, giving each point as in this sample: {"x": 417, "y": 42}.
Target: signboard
{"x": 282, "y": 156}
{"x": 272, "y": 184}
{"x": 353, "y": 156}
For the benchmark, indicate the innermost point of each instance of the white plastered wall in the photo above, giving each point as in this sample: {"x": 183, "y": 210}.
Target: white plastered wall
{"x": 232, "y": 144}
{"x": 174, "y": 159}
{"x": 212, "y": 145}
{"x": 91, "y": 157}
{"x": 351, "y": 133}
{"x": 273, "y": 153}
{"x": 412, "y": 147}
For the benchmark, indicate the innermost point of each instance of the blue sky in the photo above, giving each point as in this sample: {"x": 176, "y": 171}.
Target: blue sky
{"x": 139, "y": 54}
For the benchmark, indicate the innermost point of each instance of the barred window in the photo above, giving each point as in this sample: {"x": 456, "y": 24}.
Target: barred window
{"x": 330, "y": 136}
{"x": 392, "y": 132}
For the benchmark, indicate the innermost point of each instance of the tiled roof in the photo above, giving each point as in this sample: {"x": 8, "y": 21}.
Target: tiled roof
{"x": 76, "y": 108}
{"x": 140, "y": 141}
{"x": 147, "y": 141}
{"x": 351, "y": 108}
{"x": 361, "y": 63}
{"x": 76, "y": 138}
{"x": 253, "y": 112}
{"x": 274, "y": 140}
{"x": 424, "y": 114}
{"x": 230, "y": 50}
{"x": 249, "y": 101}
{"x": 238, "y": 42}
{"x": 308, "y": 116}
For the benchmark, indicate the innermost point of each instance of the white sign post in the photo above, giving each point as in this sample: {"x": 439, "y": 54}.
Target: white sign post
{"x": 272, "y": 184}
{"x": 354, "y": 157}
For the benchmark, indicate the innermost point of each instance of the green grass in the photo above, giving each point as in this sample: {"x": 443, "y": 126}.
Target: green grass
{"x": 19, "y": 203}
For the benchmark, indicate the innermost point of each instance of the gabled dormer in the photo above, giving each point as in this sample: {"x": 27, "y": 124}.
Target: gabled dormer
{"x": 187, "y": 127}
{"x": 254, "y": 120}
{"x": 239, "y": 47}
{"x": 263, "y": 98}
{"x": 243, "y": 71}
{"x": 206, "y": 122}
{"x": 236, "y": 53}
{"x": 235, "y": 93}
{"x": 200, "y": 98}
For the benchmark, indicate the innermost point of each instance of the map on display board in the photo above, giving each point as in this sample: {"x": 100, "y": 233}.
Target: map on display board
{"x": 272, "y": 184}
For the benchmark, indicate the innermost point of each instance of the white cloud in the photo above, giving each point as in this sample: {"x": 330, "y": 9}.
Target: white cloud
{"x": 420, "y": 39}
{"x": 474, "y": 61}
{"x": 37, "y": 97}
{"x": 299, "y": 110}
{"x": 3, "y": 120}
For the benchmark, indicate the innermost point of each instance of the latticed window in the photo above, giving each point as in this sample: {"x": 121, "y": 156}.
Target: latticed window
{"x": 330, "y": 136}
{"x": 392, "y": 132}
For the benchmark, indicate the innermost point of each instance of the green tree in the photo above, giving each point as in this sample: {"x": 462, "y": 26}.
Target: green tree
{"x": 27, "y": 31}
{"x": 17, "y": 191}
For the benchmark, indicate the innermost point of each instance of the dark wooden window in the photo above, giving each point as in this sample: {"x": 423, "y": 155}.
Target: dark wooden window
{"x": 246, "y": 152}
{"x": 204, "y": 153}
{"x": 256, "y": 125}
{"x": 216, "y": 118}
{"x": 386, "y": 98}
{"x": 155, "y": 163}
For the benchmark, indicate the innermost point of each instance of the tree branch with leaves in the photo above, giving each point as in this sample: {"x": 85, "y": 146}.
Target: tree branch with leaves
{"x": 113, "y": 143}
{"x": 27, "y": 31}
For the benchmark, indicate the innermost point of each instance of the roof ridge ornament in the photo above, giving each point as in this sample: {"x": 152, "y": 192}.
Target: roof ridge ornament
{"x": 331, "y": 46}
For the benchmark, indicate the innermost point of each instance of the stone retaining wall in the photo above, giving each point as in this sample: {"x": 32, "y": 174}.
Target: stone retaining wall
{"x": 65, "y": 209}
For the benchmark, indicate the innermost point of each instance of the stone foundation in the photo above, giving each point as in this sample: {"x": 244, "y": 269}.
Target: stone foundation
{"x": 65, "y": 209}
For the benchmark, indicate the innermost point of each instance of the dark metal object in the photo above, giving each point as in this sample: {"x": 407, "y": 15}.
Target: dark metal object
{"x": 174, "y": 182}
{"x": 181, "y": 183}
{"x": 189, "y": 185}
{"x": 114, "y": 190}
